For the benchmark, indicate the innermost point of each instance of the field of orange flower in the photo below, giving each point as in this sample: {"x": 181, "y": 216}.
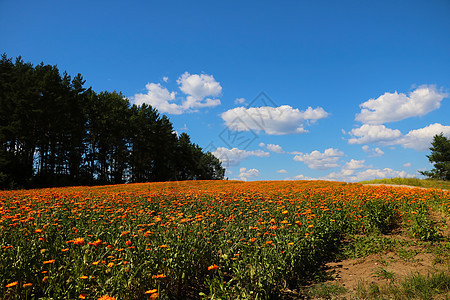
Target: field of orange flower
{"x": 224, "y": 239}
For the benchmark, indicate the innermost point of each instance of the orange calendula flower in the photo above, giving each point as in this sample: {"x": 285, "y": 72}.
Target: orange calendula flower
{"x": 163, "y": 246}
{"x": 269, "y": 242}
{"x": 151, "y": 291}
{"x": 96, "y": 243}
{"x": 49, "y": 261}
{"x": 12, "y": 284}
{"x": 38, "y": 231}
{"x": 96, "y": 262}
{"x": 110, "y": 265}
{"x": 106, "y": 297}
{"x": 252, "y": 240}
{"x": 82, "y": 296}
{"x": 159, "y": 276}
{"x": 79, "y": 241}
{"x": 26, "y": 285}
{"x": 64, "y": 250}
{"x": 154, "y": 296}
{"x": 128, "y": 243}
{"x": 84, "y": 277}
{"x": 213, "y": 267}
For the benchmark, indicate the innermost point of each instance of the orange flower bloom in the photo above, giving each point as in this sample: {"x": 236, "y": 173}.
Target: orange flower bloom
{"x": 154, "y": 296}
{"x": 106, "y": 297}
{"x": 110, "y": 265}
{"x": 128, "y": 243}
{"x": 82, "y": 296}
{"x": 159, "y": 276}
{"x": 96, "y": 243}
{"x": 84, "y": 277}
{"x": 49, "y": 261}
{"x": 151, "y": 291}
{"x": 12, "y": 284}
{"x": 213, "y": 267}
{"x": 79, "y": 241}
{"x": 27, "y": 284}
{"x": 64, "y": 250}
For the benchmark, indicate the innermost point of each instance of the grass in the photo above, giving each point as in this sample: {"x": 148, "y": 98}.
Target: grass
{"x": 414, "y": 286}
{"x": 426, "y": 183}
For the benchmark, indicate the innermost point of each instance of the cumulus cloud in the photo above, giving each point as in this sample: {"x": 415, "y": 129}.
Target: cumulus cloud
{"x": 160, "y": 98}
{"x": 199, "y": 86}
{"x": 272, "y": 120}
{"x": 373, "y": 134}
{"x": 199, "y": 91}
{"x": 354, "y": 164}
{"x": 274, "y": 148}
{"x": 234, "y": 156}
{"x": 420, "y": 139}
{"x": 321, "y": 161}
{"x": 239, "y": 100}
{"x": 300, "y": 177}
{"x": 244, "y": 174}
{"x": 406, "y": 165}
{"x": 417, "y": 139}
{"x": 392, "y": 107}
{"x": 372, "y": 152}
{"x": 368, "y": 174}
{"x": 282, "y": 171}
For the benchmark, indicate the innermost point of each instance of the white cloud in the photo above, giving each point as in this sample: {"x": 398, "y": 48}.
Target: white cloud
{"x": 160, "y": 98}
{"x": 300, "y": 177}
{"x": 379, "y": 173}
{"x": 354, "y": 165}
{"x": 198, "y": 88}
{"x": 239, "y": 100}
{"x": 244, "y": 174}
{"x": 417, "y": 139}
{"x": 392, "y": 107}
{"x": 373, "y": 134}
{"x": 369, "y": 174}
{"x": 165, "y": 79}
{"x": 272, "y": 120}
{"x": 282, "y": 171}
{"x": 234, "y": 156}
{"x": 406, "y": 165}
{"x": 372, "y": 152}
{"x": 321, "y": 161}
{"x": 420, "y": 139}
{"x": 275, "y": 148}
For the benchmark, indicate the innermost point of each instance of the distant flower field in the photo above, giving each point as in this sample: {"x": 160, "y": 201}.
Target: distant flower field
{"x": 192, "y": 239}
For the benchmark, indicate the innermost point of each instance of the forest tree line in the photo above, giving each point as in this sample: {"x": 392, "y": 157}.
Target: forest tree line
{"x": 56, "y": 132}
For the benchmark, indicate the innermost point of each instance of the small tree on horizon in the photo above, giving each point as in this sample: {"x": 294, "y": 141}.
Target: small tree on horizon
{"x": 440, "y": 157}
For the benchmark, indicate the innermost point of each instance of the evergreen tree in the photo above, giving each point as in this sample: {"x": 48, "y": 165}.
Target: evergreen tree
{"x": 55, "y": 132}
{"x": 440, "y": 157}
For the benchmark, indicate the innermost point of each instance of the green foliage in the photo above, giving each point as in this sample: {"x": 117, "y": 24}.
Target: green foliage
{"x": 440, "y": 157}
{"x": 380, "y": 215}
{"x": 422, "y": 226}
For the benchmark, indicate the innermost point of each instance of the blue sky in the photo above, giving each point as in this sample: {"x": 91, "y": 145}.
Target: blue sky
{"x": 337, "y": 90}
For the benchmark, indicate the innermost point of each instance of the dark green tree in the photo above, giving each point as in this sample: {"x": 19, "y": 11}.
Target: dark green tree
{"x": 55, "y": 132}
{"x": 440, "y": 157}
